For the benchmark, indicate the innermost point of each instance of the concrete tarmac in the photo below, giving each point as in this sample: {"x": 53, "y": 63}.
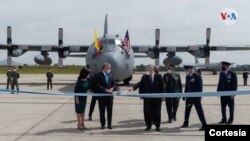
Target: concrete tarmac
{"x": 52, "y": 118}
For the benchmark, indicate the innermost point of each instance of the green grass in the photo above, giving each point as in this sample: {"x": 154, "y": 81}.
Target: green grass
{"x": 44, "y": 69}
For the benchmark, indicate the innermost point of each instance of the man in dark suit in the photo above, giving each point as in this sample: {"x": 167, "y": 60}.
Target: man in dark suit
{"x": 105, "y": 84}
{"x": 227, "y": 82}
{"x": 151, "y": 83}
{"x": 245, "y": 77}
{"x": 92, "y": 82}
{"x": 193, "y": 84}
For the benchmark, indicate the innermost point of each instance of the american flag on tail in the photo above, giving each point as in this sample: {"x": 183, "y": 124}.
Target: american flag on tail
{"x": 126, "y": 43}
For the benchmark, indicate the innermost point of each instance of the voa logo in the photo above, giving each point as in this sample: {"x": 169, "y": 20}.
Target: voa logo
{"x": 229, "y": 16}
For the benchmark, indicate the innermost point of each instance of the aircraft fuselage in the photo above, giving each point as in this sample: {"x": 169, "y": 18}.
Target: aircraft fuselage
{"x": 112, "y": 52}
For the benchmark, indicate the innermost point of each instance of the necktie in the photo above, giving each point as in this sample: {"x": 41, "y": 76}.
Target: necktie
{"x": 106, "y": 78}
{"x": 151, "y": 78}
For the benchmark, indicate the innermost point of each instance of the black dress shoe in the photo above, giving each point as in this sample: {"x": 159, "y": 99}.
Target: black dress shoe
{"x": 202, "y": 128}
{"x": 148, "y": 128}
{"x": 90, "y": 118}
{"x": 102, "y": 127}
{"x": 110, "y": 127}
{"x": 184, "y": 126}
{"x": 174, "y": 119}
{"x": 229, "y": 122}
{"x": 222, "y": 122}
{"x": 169, "y": 121}
{"x": 158, "y": 129}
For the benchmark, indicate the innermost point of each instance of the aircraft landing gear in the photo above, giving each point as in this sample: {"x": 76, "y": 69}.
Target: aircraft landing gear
{"x": 127, "y": 80}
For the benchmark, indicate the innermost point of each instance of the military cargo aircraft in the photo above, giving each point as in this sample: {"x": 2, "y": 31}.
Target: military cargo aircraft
{"x": 114, "y": 50}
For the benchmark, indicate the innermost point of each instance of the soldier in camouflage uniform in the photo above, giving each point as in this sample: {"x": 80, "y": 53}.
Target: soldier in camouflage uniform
{"x": 49, "y": 76}
{"x": 14, "y": 79}
{"x": 8, "y": 78}
{"x": 173, "y": 84}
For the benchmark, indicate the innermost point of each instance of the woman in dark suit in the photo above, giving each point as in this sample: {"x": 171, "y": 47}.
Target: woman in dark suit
{"x": 82, "y": 85}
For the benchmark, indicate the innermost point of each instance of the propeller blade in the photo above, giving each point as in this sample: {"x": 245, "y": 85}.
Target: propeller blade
{"x": 9, "y": 35}
{"x": 60, "y": 37}
{"x": 208, "y": 35}
{"x": 157, "y": 37}
{"x": 207, "y": 61}
{"x": 157, "y": 62}
{"x": 9, "y": 44}
{"x": 60, "y": 62}
{"x": 157, "y": 42}
{"x": 9, "y": 61}
{"x": 60, "y": 45}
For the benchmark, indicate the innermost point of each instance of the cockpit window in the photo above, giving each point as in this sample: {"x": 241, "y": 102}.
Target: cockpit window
{"x": 103, "y": 42}
{"x": 119, "y": 43}
{"x": 111, "y": 42}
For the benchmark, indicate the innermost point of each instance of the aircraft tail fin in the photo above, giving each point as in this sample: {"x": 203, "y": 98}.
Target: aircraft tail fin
{"x": 106, "y": 26}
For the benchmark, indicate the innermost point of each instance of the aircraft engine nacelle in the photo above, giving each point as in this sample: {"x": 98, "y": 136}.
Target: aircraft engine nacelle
{"x": 174, "y": 60}
{"x": 43, "y": 60}
{"x": 17, "y": 52}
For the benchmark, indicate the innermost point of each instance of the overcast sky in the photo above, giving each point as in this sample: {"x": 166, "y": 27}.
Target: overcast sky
{"x": 182, "y": 22}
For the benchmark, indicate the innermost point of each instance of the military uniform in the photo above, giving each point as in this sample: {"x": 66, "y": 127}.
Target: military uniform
{"x": 172, "y": 85}
{"x": 227, "y": 82}
{"x": 245, "y": 76}
{"x": 194, "y": 84}
{"x": 49, "y": 75}
{"x": 8, "y": 79}
{"x": 14, "y": 80}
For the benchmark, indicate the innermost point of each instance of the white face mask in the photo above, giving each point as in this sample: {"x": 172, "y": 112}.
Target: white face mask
{"x": 14, "y": 70}
{"x": 109, "y": 70}
{"x": 169, "y": 71}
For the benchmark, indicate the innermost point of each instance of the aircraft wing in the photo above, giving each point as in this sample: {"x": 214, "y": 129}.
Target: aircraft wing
{"x": 229, "y": 48}
{"x": 163, "y": 49}
{"x": 49, "y": 48}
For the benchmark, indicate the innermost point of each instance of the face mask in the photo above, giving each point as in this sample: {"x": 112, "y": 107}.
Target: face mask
{"x": 109, "y": 70}
{"x": 14, "y": 70}
{"x": 169, "y": 71}
{"x": 223, "y": 68}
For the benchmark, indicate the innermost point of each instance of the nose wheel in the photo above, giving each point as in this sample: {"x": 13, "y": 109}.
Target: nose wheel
{"x": 127, "y": 80}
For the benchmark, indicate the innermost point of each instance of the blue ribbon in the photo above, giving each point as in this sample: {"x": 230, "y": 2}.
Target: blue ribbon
{"x": 125, "y": 93}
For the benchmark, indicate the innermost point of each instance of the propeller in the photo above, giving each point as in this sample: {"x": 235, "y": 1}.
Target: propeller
{"x": 9, "y": 48}
{"x": 60, "y": 49}
{"x": 207, "y": 47}
{"x": 156, "y": 48}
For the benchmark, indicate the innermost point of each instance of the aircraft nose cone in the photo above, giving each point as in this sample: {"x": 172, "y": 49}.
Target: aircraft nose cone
{"x": 117, "y": 63}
